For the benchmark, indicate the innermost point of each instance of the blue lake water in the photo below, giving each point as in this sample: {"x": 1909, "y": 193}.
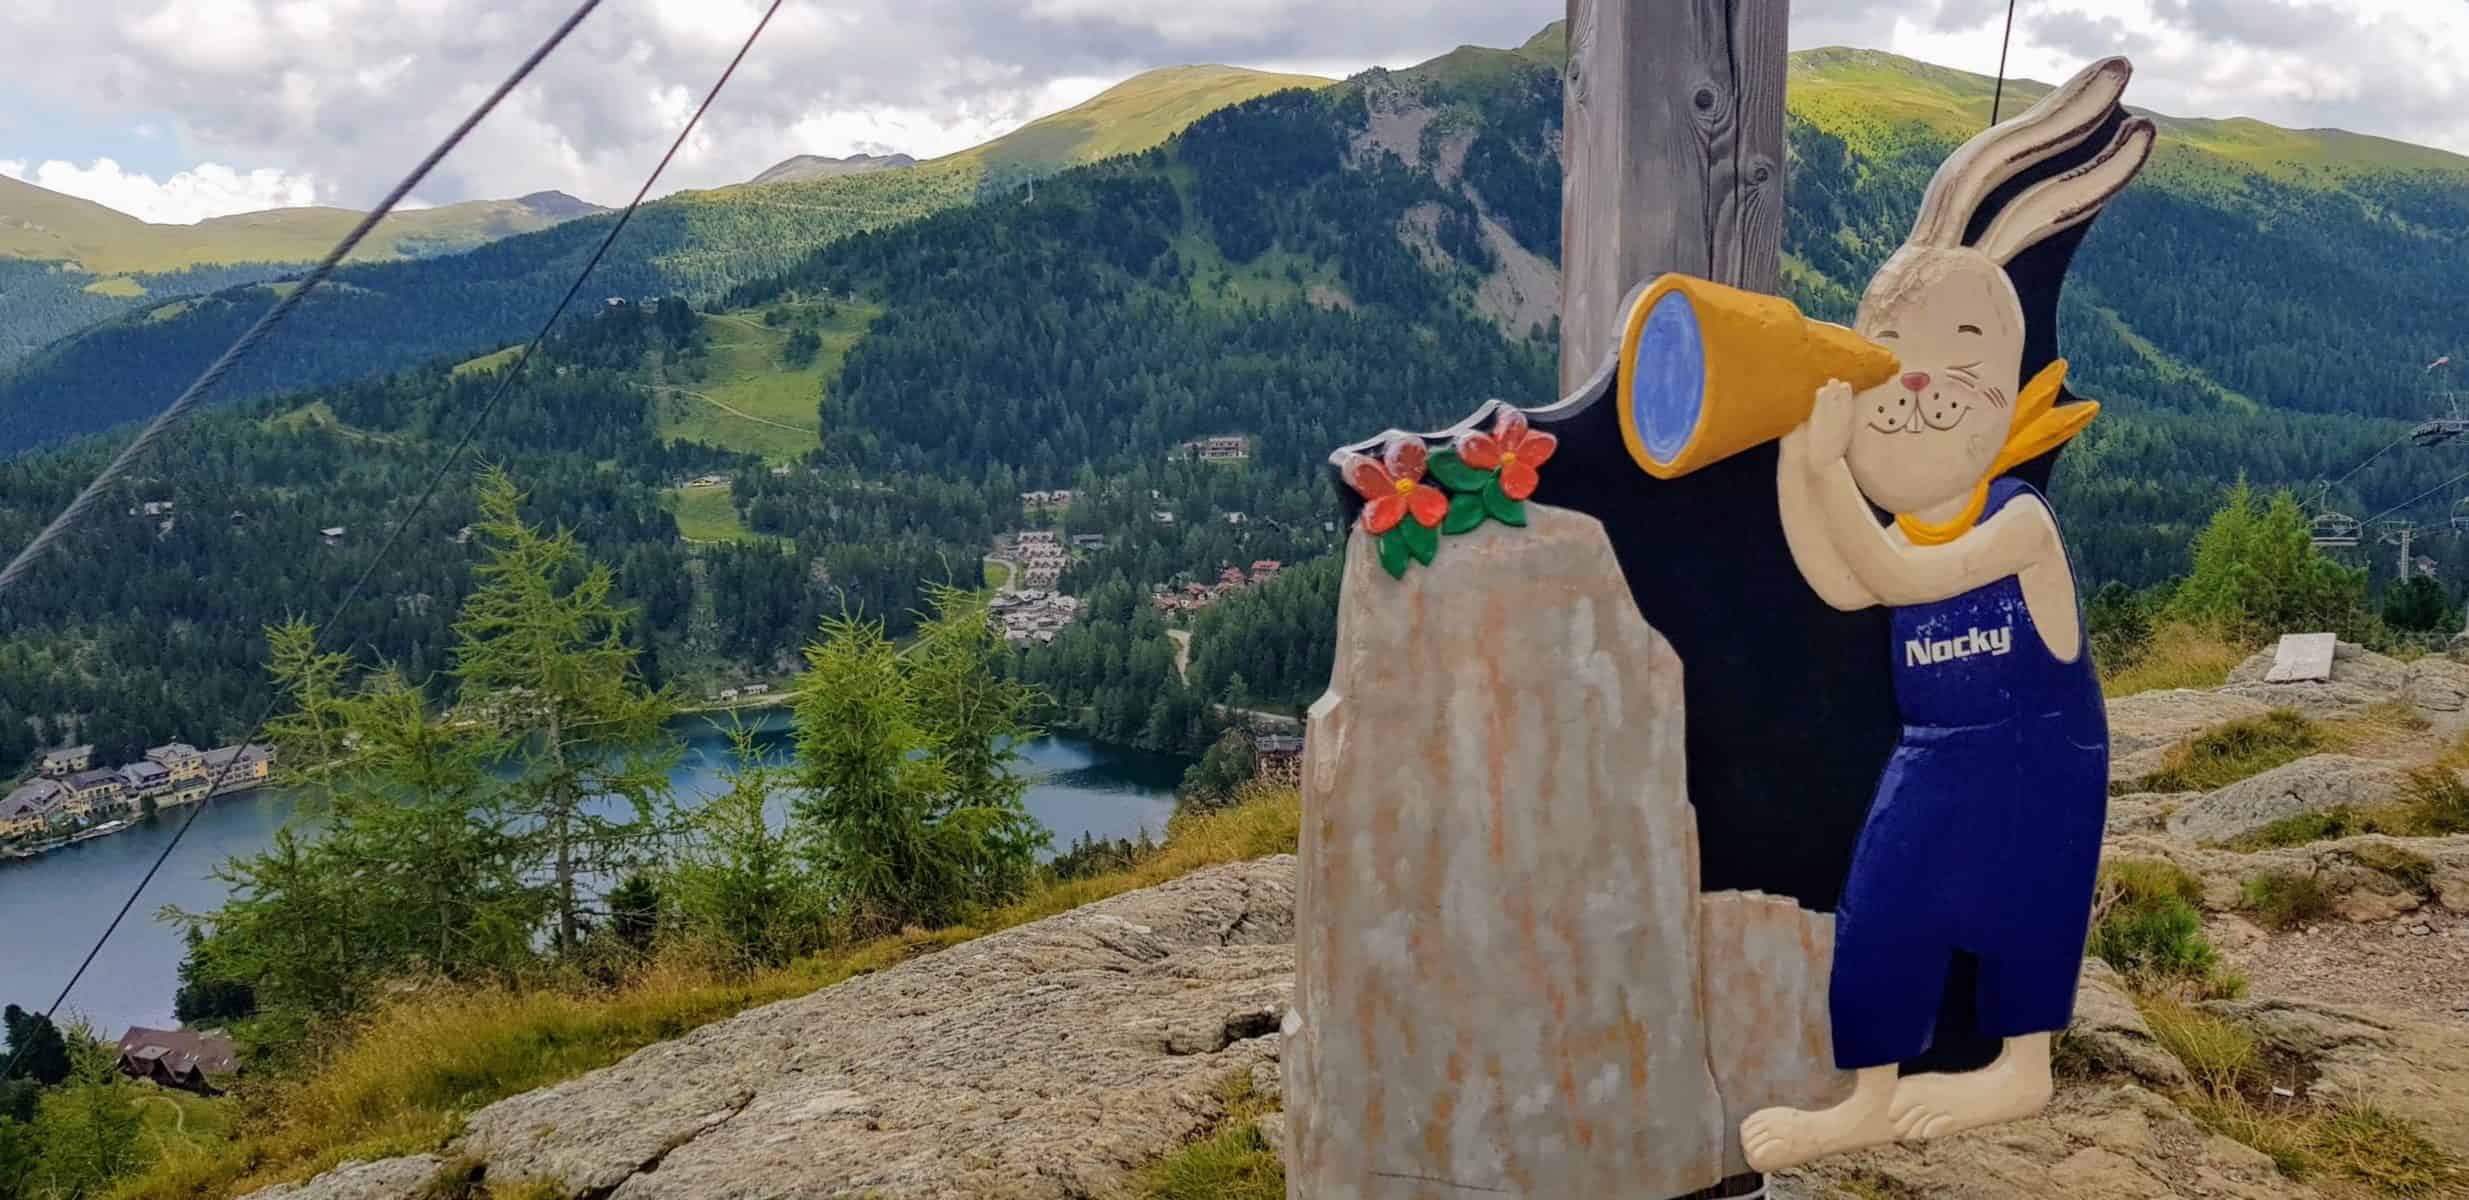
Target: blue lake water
{"x": 53, "y": 907}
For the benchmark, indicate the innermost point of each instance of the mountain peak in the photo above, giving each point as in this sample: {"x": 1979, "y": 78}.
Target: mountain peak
{"x": 817, "y": 166}
{"x": 558, "y": 206}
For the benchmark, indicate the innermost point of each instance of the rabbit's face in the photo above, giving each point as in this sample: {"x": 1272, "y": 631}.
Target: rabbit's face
{"x": 1928, "y": 436}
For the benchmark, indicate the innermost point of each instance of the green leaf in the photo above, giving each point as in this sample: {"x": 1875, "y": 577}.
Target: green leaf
{"x": 1501, "y": 507}
{"x": 1455, "y": 475}
{"x": 1422, "y": 540}
{"x": 1393, "y": 552}
{"x": 1465, "y": 512}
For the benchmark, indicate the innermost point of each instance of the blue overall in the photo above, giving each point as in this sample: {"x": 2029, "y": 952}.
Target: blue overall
{"x": 1985, "y": 833}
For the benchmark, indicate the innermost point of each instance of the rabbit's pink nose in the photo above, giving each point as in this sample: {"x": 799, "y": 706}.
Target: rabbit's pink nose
{"x": 1916, "y": 380}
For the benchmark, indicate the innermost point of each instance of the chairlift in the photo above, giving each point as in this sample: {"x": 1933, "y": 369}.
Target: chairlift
{"x": 2335, "y": 529}
{"x": 2435, "y": 431}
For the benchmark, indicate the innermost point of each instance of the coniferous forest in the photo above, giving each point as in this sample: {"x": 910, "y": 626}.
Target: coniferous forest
{"x": 1283, "y": 270}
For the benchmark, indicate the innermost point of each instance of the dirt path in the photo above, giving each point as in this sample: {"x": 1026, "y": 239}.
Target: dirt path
{"x": 733, "y": 411}
{"x": 2384, "y": 964}
{"x": 1182, "y": 653}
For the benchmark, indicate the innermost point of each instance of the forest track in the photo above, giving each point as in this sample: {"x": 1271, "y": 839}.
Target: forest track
{"x": 725, "y": 407}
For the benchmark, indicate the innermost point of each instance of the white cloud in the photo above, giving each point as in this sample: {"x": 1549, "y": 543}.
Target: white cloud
{"x": 205, "y": 190}
{"x": 2371, "y": 66}
{"x": 349, "y": 92}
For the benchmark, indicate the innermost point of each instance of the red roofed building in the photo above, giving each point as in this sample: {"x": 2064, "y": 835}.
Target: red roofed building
{"x": 178, "y": 1058}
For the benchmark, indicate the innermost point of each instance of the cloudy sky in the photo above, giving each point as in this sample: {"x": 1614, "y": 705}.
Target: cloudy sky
{"x": 177, "y": 110}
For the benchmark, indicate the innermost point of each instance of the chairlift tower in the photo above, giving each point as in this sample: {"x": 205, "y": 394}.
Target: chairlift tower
{"x": 2402, "y": 534}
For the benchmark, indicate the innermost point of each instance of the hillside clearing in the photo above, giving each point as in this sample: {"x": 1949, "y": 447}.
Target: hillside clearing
{"x": 706, "y": 514}
{"x": 747, "y": 397}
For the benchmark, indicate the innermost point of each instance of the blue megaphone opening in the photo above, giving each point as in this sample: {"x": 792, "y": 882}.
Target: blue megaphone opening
{"x": 1668, "y": 387}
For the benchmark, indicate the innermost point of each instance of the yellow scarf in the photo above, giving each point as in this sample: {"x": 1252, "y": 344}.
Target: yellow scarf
{"x": 2039, "y": 427}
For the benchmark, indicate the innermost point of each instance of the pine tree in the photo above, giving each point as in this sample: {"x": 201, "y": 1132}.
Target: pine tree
{"x": 541, "y": 657}
{"x": 87, "y": 1130}
{"x": 35, "y": 1045}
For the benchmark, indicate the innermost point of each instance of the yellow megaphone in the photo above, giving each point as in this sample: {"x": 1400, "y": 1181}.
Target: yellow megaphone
{"x": 1707, "y": 371}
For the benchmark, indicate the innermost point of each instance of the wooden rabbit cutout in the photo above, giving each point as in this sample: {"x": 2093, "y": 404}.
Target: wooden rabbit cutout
{"x": 1984, "y": 836}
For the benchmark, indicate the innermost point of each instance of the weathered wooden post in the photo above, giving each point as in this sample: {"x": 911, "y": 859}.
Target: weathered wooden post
{"x": 1666, "y": 816}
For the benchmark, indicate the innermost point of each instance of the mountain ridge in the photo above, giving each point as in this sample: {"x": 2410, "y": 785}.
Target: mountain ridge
{"x": 39, "y": 224}
{"x": 800, "y": 167}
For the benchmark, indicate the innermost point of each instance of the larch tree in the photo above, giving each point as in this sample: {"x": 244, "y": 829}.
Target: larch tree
{"x": 541, "y": 658}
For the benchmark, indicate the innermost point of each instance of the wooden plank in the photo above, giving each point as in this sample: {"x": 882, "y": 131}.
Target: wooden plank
{"x": 1672, "y": 148}
{"x": 1760, "y": 55}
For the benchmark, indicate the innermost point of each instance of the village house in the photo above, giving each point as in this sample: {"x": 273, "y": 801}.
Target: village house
{"x": 97, "y": 788}
{"x": 1266, "y": 569}
{"x": 1236, "y": 518}
{"x": 189, "y": 1060}
{"x": 1089, "y": 541}
{"x": 146, "y": 777}
{"x": 1278, "y": 758}
{"x": 181, "y": 760}
{"x": 1033, "y": 615}
{"x": 67, "y": 760}
{"x": 1162, "y": 517}
{"x": 1224, "y": 448}
{"x": 30, "y": 807}
{"x": 332, "y": 536}
{"x": 251, "y": 766}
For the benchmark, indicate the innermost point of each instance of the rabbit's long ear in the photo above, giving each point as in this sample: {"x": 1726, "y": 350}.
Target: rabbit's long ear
{"x": 2070, "y": 199}
{"x": 2060, "y": 122}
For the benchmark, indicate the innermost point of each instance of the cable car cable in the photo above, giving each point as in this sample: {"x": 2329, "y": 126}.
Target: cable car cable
{"x": 444, "y": 467}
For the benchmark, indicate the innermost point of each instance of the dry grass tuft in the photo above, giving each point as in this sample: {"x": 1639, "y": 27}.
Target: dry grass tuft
{"x": 2349, "y": 1150}
{"x": 2237, "y": 750}
{"x": 2178, "y": 656}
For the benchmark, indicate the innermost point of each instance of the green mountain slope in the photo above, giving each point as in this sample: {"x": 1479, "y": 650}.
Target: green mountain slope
{"x": 67, "y": 263}
{"x": 695, "y": 243}
{"x": 893, "y": 365}
{"x": 43, "y": 225}
{"x": 1129, "y": 117}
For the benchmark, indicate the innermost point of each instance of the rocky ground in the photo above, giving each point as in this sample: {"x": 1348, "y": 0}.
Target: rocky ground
{"x": 1053, "y": 1060}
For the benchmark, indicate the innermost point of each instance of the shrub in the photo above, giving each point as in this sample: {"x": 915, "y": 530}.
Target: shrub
{"x": 2287, "y": 900}
{"x": 2147, "y": 926}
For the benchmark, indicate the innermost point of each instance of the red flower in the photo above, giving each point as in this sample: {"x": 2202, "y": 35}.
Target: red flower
{"x": 1513, "y": 449}
{"x": 1394, "y": 486}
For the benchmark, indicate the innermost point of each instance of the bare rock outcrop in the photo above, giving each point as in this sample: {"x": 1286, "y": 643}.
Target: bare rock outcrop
{"x": 2411, "y": 1067}
{"x": 2103, "y": 1142}
{"x": 389, "y": 1179}
{"x": 2371, "y": 877}
{"x": 2360, "y": 680}
{"x": 2310, "y": 785}
{"x": 2109, "y": 1033}
{"x": 1044, "y": 1062}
